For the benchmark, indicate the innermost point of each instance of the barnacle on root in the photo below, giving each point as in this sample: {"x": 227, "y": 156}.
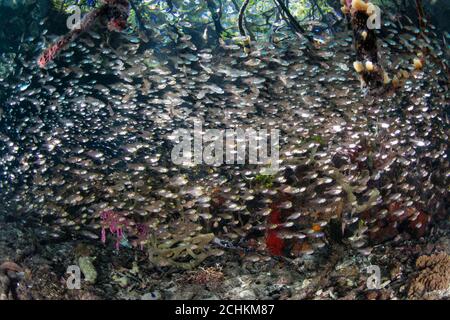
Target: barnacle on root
{"x": 369, "y": 66}
{"x": 359, "y": 5}
{"x": 418, "y": 65}
{"x": 359, "y": 67}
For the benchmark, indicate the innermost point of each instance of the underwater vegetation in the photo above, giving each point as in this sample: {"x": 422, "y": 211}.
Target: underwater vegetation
{"x": 87, "y": 122}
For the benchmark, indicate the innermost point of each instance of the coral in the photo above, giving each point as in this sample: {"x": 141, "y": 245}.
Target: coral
{"x": 212, "y": 277}
{"x": 10, "y": 268}
{"x": 359, "y": 5}
{"x": 434, "y": 275}
{"x": 115, "y": 222}
{"x": 274, "y": 243}
{"x": 182, "y": 246}
{"x": 10, "y": 275}
{"x": 88, "y": 269}
{"x": 119, "y": 225}
{"x": 369, "y": 66}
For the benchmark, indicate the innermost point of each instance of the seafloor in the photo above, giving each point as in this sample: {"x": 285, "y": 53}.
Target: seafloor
{"x": 338, "y": 275}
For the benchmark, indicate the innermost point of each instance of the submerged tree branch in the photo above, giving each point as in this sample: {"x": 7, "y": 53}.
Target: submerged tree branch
{"x": 216, "y": 18}
{"x": 242, "y": 29}
{"x": 298, "y": 29}
{"x": 142, "y": 26}
{"x": 423, "y": 31}
{"x": 246, "y": 24}
{"x": 323, "y": 15}
{"x": 420, "y": 15}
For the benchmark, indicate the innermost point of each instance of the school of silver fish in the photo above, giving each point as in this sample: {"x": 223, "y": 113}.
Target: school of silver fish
{"x": 94, "y": 132}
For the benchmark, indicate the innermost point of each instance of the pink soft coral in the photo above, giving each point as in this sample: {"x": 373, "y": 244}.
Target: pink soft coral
{"x": 115, "y": 222}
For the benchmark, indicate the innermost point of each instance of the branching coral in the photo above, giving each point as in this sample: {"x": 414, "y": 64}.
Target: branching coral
{"x": 182, "y": 247}
{"x": 114, "y": 12}
{"x": 193, "y": 248}
{"x": 434, "y": 275}
{"x": 351, "y": 198}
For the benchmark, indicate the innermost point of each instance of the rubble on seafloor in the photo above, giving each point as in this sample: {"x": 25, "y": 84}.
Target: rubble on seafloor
{"x": 410, "y": 269}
